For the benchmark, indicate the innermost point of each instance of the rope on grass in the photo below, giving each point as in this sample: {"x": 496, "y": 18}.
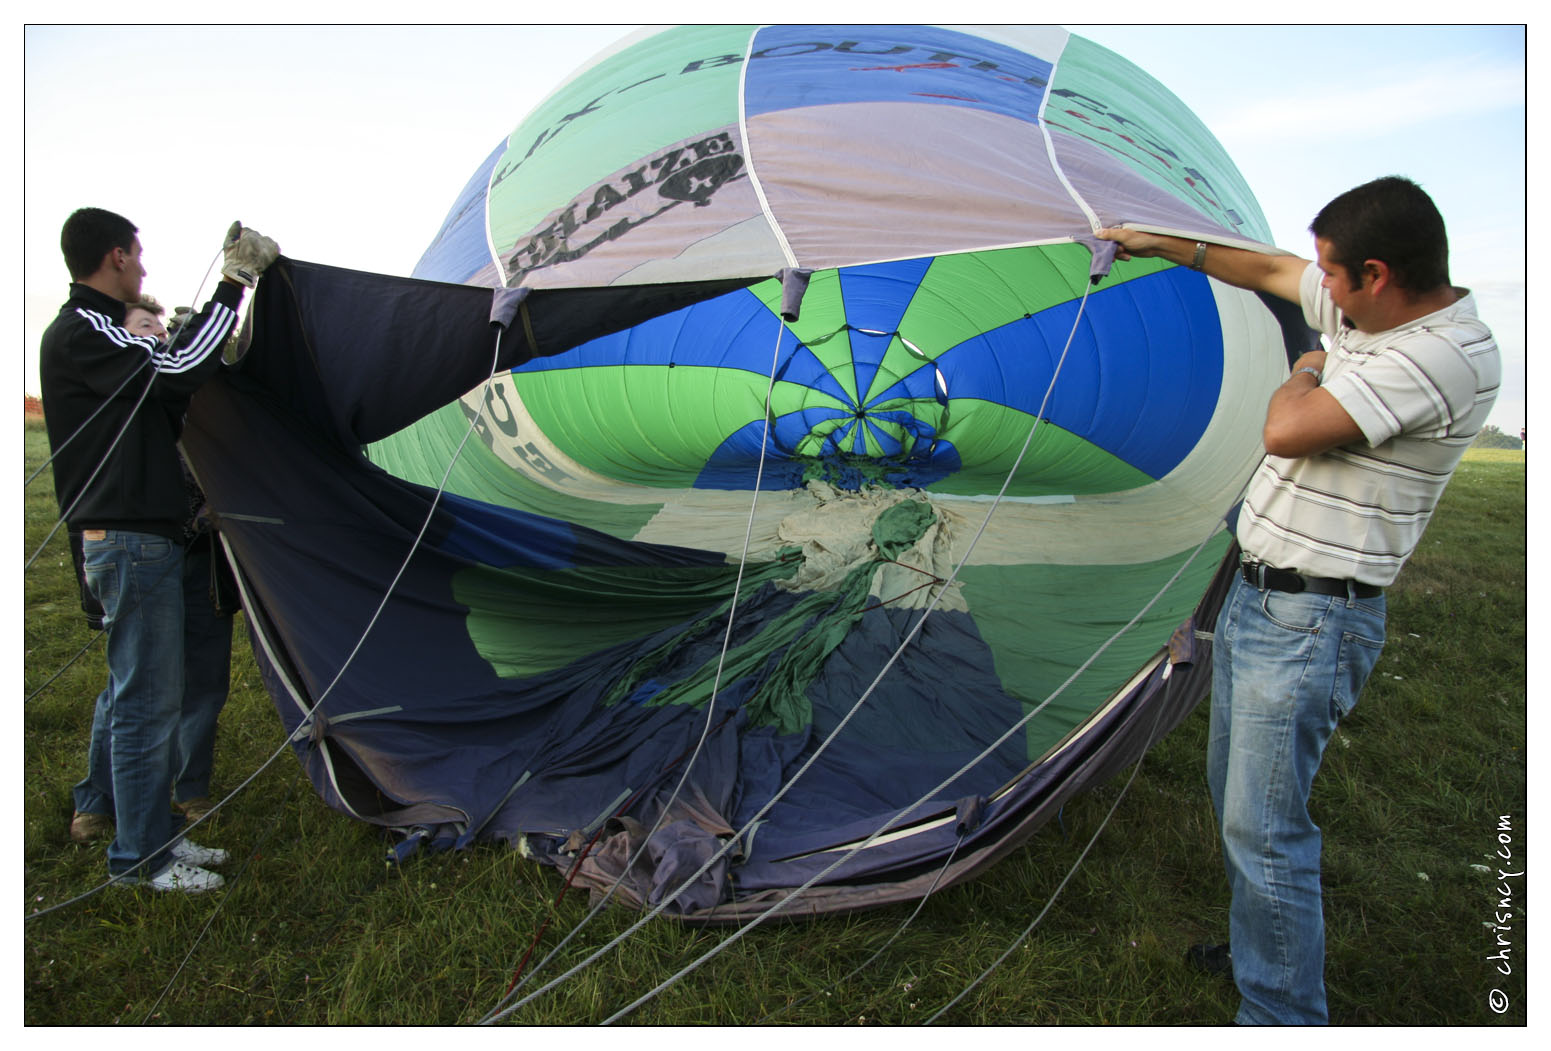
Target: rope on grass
{"x": 1019, "y": 940}
{"x": 97, "y": 636}
{"x": 253, "y": 855}
{"x": 859, "y": 968}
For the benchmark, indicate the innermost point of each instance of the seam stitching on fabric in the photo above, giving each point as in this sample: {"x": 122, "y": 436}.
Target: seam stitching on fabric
{"x": 748, "y": 153}
{"x": 1050, "y": 147}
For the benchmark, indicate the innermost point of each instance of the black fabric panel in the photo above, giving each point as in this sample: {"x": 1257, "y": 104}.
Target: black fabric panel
{"x": 380, "y": 352}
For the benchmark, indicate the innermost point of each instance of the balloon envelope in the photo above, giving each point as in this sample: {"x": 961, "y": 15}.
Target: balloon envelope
{"x": 811, "y": 341}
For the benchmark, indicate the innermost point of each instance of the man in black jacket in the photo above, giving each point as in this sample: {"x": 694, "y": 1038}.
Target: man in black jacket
{"x": 114, "y": 406}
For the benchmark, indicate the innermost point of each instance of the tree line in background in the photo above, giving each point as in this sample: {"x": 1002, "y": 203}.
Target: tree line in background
{"x": 1492, "y": 437}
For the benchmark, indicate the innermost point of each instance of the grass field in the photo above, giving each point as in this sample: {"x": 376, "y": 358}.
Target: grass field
{"x": 1418, "y": 791}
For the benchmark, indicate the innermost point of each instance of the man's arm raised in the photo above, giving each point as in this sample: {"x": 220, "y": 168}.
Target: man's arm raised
{"x": 1303, "y": 418}
{"x": 1257, "y": 271}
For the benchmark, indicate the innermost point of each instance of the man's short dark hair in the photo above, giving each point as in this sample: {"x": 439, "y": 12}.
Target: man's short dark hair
{"x": 91, "y": 233}
{"x": 1393, "y": 220}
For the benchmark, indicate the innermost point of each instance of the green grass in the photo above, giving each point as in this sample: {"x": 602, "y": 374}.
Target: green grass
{"x": 315, "y": 928}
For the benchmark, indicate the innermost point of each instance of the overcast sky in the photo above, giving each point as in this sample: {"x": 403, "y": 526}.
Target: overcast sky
{"x": 348, "y": 144}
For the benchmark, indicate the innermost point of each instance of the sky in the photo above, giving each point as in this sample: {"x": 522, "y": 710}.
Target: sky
{"x": 347, "y": 144}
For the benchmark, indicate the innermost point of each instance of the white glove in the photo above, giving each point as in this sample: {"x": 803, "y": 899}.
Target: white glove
{"x": 247, "y": 253}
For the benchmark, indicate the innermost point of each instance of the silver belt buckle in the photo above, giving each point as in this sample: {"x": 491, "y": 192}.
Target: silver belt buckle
{"x": 1254, "y": 572}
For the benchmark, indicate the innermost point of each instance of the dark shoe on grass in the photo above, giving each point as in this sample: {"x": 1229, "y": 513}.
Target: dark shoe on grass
{"x": 1215, "y": 960}
{"x": 90, "y": 828}
{"x": 194, "y": 809}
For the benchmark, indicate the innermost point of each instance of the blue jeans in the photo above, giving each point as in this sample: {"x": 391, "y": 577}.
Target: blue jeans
{"x": 207, "y": 654}
{"x": 138, "y": 578}
{"x": 207, "y": 666}
{"x": 1286, "y": 669}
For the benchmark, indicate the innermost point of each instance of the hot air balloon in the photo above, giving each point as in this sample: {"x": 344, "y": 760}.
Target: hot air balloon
{"x": 766, "y": 480}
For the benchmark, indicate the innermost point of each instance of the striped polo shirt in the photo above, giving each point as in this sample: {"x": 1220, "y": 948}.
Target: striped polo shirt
{"x": 1419, "y": 393}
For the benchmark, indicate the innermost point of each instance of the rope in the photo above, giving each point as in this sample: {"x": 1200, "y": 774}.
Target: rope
{"x": 317, "y": 705}
{"x": 748, "y": 534}
{"x": 908, "y": 809}
{"x": 717, "y": 856}
{"x": 859, "y": 968}
{"x": 576, "y": 868}
{"x": 253, "y": 855}
{"x": 758, "y": 920}
{"x": 1151, "y": 740}
{"x": 413, "y": 547}
{"x": 96, "y": 636}
{"x": 54, "y": 451}
{"x": 64, "y": 514}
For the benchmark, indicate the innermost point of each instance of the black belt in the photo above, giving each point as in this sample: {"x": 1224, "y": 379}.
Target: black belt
{"x": 1262, "y": 577}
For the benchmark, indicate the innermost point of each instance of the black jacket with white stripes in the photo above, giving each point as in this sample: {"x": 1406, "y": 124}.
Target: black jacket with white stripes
{"x": 114, "y": 406}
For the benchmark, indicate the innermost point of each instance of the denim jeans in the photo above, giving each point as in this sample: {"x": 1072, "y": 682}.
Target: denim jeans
{"x": 207, "y": 665}
{"x": 1286, "y": 669}
{"x": 138, "y": 578}
{"x": 207, "y": 654}
{"x": 94, "y": 793}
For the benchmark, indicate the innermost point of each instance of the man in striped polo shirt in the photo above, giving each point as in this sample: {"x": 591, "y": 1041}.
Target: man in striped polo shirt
{"x": 1360, "y": 441}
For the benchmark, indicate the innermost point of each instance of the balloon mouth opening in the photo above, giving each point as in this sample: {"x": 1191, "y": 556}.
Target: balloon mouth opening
{"x": 857, "y": 471}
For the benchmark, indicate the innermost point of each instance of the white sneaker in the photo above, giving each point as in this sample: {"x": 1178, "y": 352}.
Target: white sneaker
{"x": 189, "y": 879}
{"x": 191, "y": 853}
